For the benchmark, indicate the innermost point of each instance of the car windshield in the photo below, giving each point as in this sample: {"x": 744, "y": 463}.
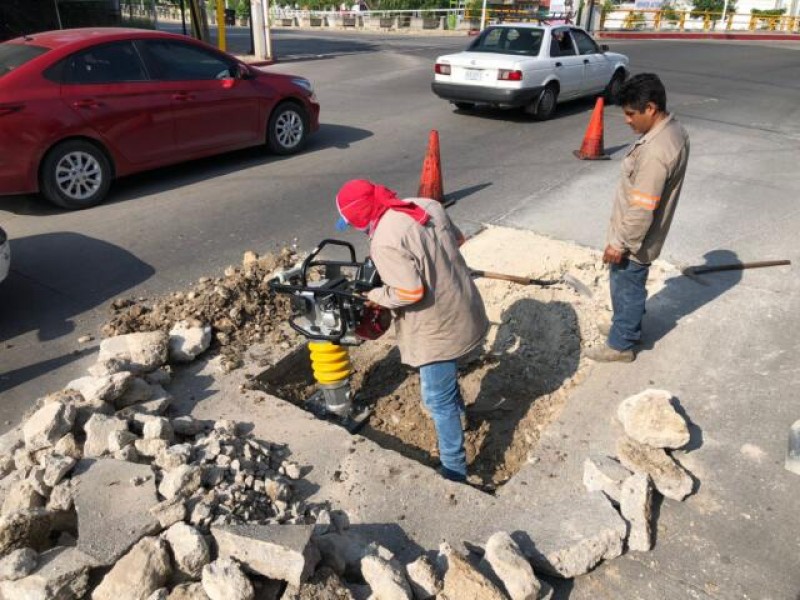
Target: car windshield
{"x": 15, "y": 55}
{"x": 524, "y": 41}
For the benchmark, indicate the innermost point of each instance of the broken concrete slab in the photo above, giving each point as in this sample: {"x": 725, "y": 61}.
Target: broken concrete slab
{"x": 18, "y": 564}
{"x": 150, "y": 448}
{"x": 187, "y": 341}
{"x": 636, "y": 506}
{"x": 158, "y": 428}
{"x": 143, "y": 570}
{"x": 669, "y": 478}
{"x": 189, "y": 549}
{"x": 56, "y": 467}
{"x": 650, "y": 418}
{"x": 462, "y": 581}
{"x": 63, "y": 574}
{"x": 25, "y": 528}
{"x": 117, "y": 440}
{"x": 67, "y": 446}
{"x": 48, "y": 425}
{"x": 386, "y": 578}
{"x": 169, "y": 512}
{"x": 113, "y": 512}
{"x": 224, "y": 580}
{"x": 136, "y": 352}
{"x": 604, "y": 474}
{"x": 511, "y": 567}
{"x": 98, "y": 429}
{"x": 22, "y": 495}
{"x": 61, "y": 497}
{"x": 105, "y": 389}
{"x": 11, "y": 441}
{"x": 138, "y": 391}
{"x": 324, "y": 585}
{"x": 188, "y": 591}
{"x": 175, "y": 456}
{"x": 425, "y": 583}
{"x": 182, "y": 481}
{"x": 282, "y": 552}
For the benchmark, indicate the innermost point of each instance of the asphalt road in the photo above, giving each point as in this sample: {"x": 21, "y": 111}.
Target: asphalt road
{"x": 161, "y": 231}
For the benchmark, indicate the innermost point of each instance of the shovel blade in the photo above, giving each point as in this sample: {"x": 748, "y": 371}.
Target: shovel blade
{"x": 577, "y": 285}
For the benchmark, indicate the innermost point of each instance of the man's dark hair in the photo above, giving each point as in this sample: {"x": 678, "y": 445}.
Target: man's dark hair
{"x": 641, "y": 89}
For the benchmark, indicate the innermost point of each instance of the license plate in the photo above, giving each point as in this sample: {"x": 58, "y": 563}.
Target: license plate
{"x": 472, "y": 74}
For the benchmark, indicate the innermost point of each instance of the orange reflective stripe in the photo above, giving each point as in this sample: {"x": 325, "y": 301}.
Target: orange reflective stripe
{"x": 419, "y": 290}
{"x": 644, "y": 200}
{"x": 410, "y": 295}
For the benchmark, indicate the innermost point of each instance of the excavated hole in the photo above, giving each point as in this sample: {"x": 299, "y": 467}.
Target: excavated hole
{"x": 512, "y": 391}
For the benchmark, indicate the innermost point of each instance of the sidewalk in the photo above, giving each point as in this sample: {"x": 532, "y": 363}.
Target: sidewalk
{"x": 698, "y": 35}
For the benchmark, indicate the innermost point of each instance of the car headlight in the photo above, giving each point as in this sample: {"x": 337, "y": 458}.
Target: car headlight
{"x": 303, "y": 83}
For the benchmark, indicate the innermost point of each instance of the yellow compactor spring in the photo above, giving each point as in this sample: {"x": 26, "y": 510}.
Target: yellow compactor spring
{"x": 330, "y": 363}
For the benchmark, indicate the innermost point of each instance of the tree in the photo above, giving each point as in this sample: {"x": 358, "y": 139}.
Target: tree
{"x": 712, "y": 7}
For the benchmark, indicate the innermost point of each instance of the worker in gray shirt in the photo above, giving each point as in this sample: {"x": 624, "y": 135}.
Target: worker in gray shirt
{"x": 647, "y": 195}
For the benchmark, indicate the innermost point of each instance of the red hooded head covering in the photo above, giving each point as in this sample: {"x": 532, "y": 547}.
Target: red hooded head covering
{"x": 362, "y": 203}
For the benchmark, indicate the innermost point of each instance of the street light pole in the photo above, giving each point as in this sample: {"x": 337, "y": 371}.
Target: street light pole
{"x": 483, "y": 15}
{"x": 724, "y": 12}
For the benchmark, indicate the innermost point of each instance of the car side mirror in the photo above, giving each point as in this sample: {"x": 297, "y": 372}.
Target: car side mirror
{"x": 604, "y": 47}
{"x": 243, "y": 72}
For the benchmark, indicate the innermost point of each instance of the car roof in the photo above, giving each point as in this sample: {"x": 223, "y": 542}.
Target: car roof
{"x": 62, "y": 38}
{"x": 534, "y": 25}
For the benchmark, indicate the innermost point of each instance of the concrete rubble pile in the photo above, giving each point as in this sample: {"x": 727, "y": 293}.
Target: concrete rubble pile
{"x": 238, "y": 308}
{"x": 644, "y": 464}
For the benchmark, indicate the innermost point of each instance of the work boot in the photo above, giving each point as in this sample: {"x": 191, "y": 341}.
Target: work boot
{"x": 604, "y": 327}
{"x": 605, "y": 353}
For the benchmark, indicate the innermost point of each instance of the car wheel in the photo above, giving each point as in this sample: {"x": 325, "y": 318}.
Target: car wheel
{"x": 464, "y": 105}
{"x": 75, "y": 174}
{"x": 545, "y": 105}
{"x": 287, "y": 129}
{"x": 614, "y": 87}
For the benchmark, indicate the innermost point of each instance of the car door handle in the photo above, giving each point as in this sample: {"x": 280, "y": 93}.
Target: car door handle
{"x": 586, "y": 61}
{"x": 86, "y": 103}
{"x": 558, "y": 64}
{"x": 182, "y": 96}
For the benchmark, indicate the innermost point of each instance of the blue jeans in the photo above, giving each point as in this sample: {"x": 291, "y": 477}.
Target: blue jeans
{"x": 442, "y": 397}
{"x": 628, "y": 295}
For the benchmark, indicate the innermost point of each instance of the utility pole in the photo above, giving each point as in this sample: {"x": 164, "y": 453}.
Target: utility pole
{"x": 483, "y": 15}
{"x": 221, "y": 38}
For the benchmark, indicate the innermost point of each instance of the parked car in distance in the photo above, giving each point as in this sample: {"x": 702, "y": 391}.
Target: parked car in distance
{"x": 530, "y": 66}
{"x": 5, "y": 255}
{"x": 81, "y": 107}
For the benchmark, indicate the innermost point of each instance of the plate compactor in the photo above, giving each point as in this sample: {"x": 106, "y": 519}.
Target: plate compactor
{"x": 332, "y": 313}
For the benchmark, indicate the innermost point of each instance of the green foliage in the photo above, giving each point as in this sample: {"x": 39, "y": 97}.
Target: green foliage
{"x": 669, "y": 14}
{"x": 713, "y": 7}
{"x": 243, "y": 9}
{"x": 634, "y": 20}
{"x": 772, "y": 12}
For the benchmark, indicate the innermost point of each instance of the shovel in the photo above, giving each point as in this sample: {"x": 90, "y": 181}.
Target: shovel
{"x": 566, "y": 279}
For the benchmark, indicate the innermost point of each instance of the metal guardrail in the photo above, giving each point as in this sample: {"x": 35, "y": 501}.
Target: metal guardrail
{"x": 689, "y": 21}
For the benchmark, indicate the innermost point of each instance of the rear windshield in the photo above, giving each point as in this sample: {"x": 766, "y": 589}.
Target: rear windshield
{"x": 524, "y": 41}
{"x": 16, "y": 55}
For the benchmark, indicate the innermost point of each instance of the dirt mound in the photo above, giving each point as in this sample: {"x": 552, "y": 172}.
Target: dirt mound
{"x": 239, "y": 307}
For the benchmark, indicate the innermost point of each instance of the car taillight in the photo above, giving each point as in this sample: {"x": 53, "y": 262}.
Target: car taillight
{"x": 506, "y": 75}
{"x": 442, "y": 69}
{"x": 7, "y": 109}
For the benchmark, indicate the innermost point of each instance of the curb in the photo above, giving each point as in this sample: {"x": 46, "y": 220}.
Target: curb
{"x": 612, "y": 35}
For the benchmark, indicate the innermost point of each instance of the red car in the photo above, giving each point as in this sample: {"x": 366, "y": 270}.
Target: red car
{"x": 81, "y": 107}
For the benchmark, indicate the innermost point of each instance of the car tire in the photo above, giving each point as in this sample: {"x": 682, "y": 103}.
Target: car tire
{"x": 614, "y": 86}
{"x": 464, "y": 105}
{"x": 288, "y": 129}
{"x": 544, "y": 107}
{"x": 75, "y": 174}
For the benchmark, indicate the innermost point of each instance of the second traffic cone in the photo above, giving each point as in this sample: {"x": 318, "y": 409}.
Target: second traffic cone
{"x": 430, "y": 182}
{"x": 592, "y": 146}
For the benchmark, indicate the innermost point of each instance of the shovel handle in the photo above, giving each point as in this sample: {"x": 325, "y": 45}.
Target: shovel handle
{"x": 741, "y": 266}
{"x": 514, "y": 278}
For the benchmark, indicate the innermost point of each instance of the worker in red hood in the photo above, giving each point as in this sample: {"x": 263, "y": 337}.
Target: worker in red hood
{"x": 438, "y": 313}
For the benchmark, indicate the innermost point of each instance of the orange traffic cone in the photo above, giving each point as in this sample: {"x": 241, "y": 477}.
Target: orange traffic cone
{"x": 592, "y": 147}
{"x": 430, "y": 182}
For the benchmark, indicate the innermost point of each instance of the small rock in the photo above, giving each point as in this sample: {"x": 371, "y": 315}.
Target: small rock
{"x": 224, "y": 580}
{"x": 138, "y": 352}
{"x": 11, "y": 441}
{"x": 385, "y": 578}
{"x": 98, "y": 429}
{"x": 463, "y": 581}
{"x": 187, "y": 342}
{"x": 138, "y": 391}
{"x": 158, "y": 428}
{"x": 225, "y": 427}
{"x": 143, "y": 570}
{"x": 118, "y": 439}
{"x": 48, "y": 425}
{"x": 56, "y": 468}
{"x": 25, "y": 528}
{"x": 182, "y": 481}
{"x": 668, "y": 476}
{"x": 67, "y": 446}
{"x": 161, "y": 376}
{"x": 291, "y": 470}
{"x": 423, "y": 579}
{"x": 63, "y": 574}
{"x": 106, "y": 367}
{"x": 636, "y": 507}
{"x": 187, "y": 426}
{"x": 159, "y": 594}
{"x": 105, "y": 389}
{"x": 174, "y": 456}
{"x": 189, "y": 549}
{"x": 511, "y": 567}
{"x": 18, "y": 564}
{"x": 127, "y": 454}
{"x": 150, "y": 448}
{"x": 650, "y": 418}
{"x": 85, "y": 339}
{"x": 61, "y": 498}
{"x": 188, "y": 591}
{"x": 169, "y": 512}
{"x": 604, "y": 474}
{"x": 22, "y": 495}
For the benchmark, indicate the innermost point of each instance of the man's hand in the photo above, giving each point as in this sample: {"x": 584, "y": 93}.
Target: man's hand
{"x": 613, "y": 255}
